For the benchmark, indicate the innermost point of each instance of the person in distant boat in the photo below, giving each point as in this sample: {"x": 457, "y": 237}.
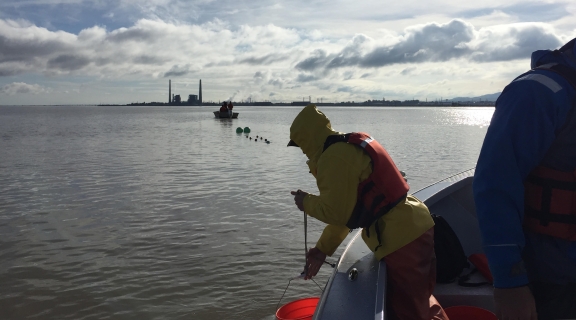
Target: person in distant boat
{"x": 230, "y": 107}
{"x": 360, "y": 187}
{"x": 224, "y": 107}
{"x": 525, "y": 190}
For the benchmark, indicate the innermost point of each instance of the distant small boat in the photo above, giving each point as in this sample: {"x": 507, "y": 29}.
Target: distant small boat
{"x": 221, "y": 115}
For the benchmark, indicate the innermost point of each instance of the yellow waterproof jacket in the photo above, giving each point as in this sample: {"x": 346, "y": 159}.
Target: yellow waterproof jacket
{"x": 338, "y": 172}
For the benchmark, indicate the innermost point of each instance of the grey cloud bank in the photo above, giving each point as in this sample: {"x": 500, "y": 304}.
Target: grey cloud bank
{"x": 440, "y": 42}
{"x": 150, "y": 46}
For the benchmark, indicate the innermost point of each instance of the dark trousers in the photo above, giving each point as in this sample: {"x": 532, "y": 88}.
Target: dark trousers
{"x": 554, "y": 301}
{"x": 552, "y": 273}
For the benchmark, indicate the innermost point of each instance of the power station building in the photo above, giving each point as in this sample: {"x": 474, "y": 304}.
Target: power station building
{"x": 193, "y": 100}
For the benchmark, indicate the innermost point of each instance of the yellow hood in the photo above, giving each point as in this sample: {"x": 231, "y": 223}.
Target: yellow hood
{"x": 309, "y": 131}
{"x": 338, "y": 172}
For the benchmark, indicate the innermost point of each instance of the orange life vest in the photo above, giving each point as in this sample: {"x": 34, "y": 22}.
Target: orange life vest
{"x": 549, "y": 194}
{"x": 382, "y": 190}
{"x": 550, "y": 203}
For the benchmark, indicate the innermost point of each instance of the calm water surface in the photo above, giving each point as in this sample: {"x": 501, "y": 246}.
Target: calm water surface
{"x": 167, "y": 213}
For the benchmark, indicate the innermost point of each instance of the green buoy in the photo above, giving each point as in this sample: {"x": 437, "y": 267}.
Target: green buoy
{"x": 247, "y": 130}
{"x": 239, "y": 130}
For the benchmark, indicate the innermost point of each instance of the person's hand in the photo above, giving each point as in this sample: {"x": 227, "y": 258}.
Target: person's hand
{"x": 299, "y": 198}
{"x": 515, "y": 304}
{"x": 314, "y": 260}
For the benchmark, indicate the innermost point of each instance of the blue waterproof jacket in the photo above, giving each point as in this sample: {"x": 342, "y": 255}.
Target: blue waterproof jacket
{"x": 529, "y": 113}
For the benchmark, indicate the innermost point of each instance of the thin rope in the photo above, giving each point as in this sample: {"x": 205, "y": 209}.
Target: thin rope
{"x": 289, "y": 285}
{"x": 283, "y": 293}
{"x": 305, "y": 272}
{"x": 305, "y": 243}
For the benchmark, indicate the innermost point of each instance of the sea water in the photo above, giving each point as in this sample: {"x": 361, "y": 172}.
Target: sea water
{"x": 168, "y": 213}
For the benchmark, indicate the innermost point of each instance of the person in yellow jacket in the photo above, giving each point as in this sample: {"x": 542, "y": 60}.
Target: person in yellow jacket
{"x": 407, "y": 234}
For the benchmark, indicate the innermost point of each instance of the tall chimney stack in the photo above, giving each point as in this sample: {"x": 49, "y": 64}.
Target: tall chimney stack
{"x": 200, "y": 93}
{"x": 169, "y": 91}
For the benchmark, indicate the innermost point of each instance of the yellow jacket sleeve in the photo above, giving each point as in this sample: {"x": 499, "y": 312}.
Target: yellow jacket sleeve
{"x": 331, "y": 238}
{"x": 340, "y": 169}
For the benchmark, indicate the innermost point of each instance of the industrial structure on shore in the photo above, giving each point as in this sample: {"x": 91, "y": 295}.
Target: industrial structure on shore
{"x": 196, "y": 100}
{"x": 193, "y": 100}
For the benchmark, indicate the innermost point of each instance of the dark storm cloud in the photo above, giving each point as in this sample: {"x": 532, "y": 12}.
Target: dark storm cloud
{"x": 68, "y": 62}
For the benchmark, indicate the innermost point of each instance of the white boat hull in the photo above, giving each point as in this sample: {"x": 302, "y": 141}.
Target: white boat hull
{"x": 364, "y": 297}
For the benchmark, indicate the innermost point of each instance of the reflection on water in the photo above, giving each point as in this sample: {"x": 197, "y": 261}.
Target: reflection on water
{"x": 479, "y": 116}
{"x": 167, "y": 213}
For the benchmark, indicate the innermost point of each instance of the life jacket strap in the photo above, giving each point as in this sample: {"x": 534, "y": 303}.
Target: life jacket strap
{"x": 383, "y": 211}
{"x": 546, "y": 217}
{"x": 332, "y": 139}
{"x": 377, "y": 228}
{"x": 544, "y": 214}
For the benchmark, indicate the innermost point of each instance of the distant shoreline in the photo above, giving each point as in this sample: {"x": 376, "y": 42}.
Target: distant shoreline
{"x": 342, "y": 104}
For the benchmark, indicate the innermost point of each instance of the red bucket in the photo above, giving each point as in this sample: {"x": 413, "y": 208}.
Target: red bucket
{"x": 469, "y": 313}
{"x": 302, "y": 309}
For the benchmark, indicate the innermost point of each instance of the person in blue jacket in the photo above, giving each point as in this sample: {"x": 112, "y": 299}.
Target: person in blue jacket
{"x": 525, "y": 190}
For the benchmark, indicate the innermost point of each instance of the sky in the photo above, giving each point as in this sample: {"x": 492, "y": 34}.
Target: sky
{"x": 124, "y": 51}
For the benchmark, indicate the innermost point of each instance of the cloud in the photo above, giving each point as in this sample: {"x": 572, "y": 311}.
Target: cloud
{"x": 177, "y": 71}
{"x": 525, "y": 11}
{"x": 264, "y": 60}
{"x": 68, "y": 62}
{"x": 318, "y": 59}
{"x": 22, "y": 88}
{"x": 434, "y": 42}
{"x": 306, "y": 78}
{"x": 253, "y": 60}
{"x": 408, "y": 71}
{"x": 150, "y": 47}
{"x": 509, "y": 42}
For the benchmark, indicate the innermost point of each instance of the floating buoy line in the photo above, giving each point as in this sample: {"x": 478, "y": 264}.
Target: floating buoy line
{"x": 247, "y": 130}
